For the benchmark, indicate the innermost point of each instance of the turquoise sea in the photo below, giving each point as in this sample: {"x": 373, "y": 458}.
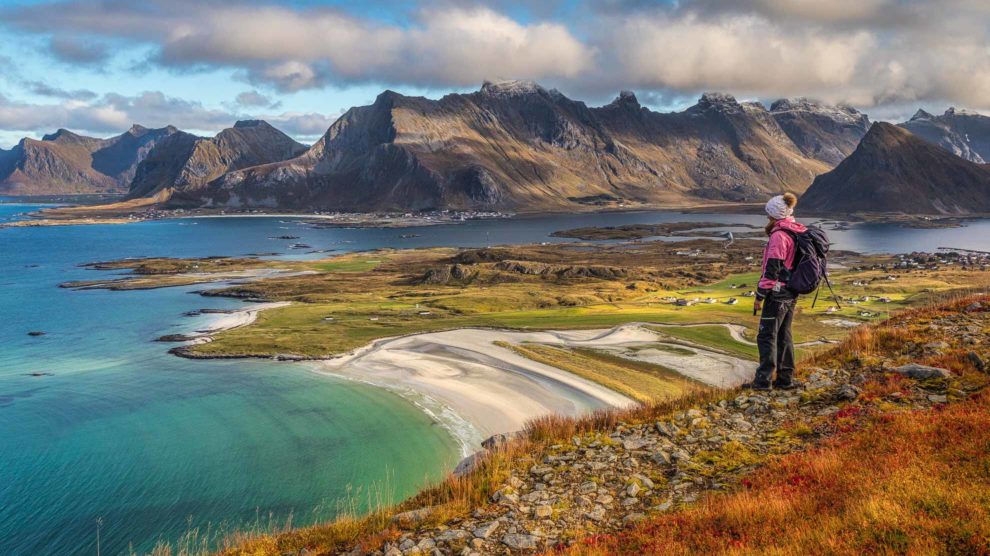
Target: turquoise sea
{"x": 113, "y": 428}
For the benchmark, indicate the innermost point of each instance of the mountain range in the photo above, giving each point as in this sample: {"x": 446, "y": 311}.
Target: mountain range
{"x": 511, "y": 145}
{"x": 67, "y": 163}
{"x": 518, "y": 146}
{"x": 965, "y": 134}
{"x": 894, "y": 170}
{"x": 184, "y": 163}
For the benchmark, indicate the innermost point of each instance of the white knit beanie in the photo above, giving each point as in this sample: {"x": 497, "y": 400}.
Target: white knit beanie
{"x": 777, "y": 208}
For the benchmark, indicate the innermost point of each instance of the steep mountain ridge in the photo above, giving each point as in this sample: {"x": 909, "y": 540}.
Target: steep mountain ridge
{"x": 963, "y": 133}
{"x": 893, "y": 170}
{"x": 717, "y": 149}
{"x": 183, "y": 164}
{"x": 826, "y": 133}
{"x": 122, "y": 154}
{"x": 67, "y": 163}
{"x": 512, "y": 145}
{"x": 518, "y": 146}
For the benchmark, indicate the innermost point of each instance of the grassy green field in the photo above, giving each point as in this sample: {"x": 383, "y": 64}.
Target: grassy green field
{"x": 347, "y": 301}
{"x": 352, "y": 264}
{"x": 302, "y": 328}
{"x": 717, "y": 337}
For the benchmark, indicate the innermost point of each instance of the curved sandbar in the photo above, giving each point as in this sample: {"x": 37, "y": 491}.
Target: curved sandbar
{"x": 234, "y": 319}
{"x": 479, "y": 389}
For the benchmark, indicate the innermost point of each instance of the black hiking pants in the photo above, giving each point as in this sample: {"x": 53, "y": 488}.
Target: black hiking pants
{"x": 774, "y": 339}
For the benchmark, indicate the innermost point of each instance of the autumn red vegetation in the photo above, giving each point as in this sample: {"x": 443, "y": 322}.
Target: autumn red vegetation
{"x": 883, "y": 482}
{"x": 907, "y": 483}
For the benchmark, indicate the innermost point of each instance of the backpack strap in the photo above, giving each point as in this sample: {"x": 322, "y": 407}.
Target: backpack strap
{"x": 794, "y": 238}
{"x": 791, "y": 233}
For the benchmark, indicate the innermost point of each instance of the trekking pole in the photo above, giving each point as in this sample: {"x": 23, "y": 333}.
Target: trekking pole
{"x": 834, "y": 297}
{"x": 815, "y": 300}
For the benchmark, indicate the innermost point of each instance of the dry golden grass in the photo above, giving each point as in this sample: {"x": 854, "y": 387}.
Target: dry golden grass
{"x": 640, "y": 381}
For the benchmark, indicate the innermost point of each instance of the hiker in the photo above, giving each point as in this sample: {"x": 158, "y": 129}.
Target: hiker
{"x": 774, "y": 301}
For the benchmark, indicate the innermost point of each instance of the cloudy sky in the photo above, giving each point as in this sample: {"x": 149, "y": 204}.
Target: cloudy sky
{"x": 96, "y": 66}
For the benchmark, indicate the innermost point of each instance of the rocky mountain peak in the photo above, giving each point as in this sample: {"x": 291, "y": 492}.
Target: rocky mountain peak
{"x": 715, "y": 97}
{"x": 805, "y": 104}
{"x": 788, "y": 104}
{"x": 137, "y": 130}
{"x": 962, "y": 133}
{"x": 251, "y": 123}
{"x": 718, "y": 102}
{"x": 62, "y": 135}
{"x": 626, "y": 99}
{"x": 953, "y": 111}
{"x": 839, "y": 111}
{"x": 894, "y": 170}
{"x": 511, "y": 87}
{"x": 883, "y": 133}
{"x": 387, "y": 97}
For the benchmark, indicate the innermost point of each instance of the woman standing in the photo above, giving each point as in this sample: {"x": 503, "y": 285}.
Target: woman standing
{"x": 774, "y": 302}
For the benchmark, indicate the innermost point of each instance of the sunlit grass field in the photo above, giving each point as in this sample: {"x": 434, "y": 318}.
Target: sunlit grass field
{"x": 349, "y": 304}
{"x": 640, "y": 381}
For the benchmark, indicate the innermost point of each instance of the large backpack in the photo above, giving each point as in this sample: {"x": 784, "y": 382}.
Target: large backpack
{"x": 810, "y": 260}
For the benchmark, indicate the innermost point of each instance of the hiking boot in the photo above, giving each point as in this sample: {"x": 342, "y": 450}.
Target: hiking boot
{"x": 755, "y": 386}
{"x": 789, "y": 385}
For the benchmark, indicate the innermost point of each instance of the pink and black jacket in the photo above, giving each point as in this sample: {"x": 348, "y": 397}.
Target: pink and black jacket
{"x": 778, "y": 257}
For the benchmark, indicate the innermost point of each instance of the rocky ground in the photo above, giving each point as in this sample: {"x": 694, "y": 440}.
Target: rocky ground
{"x": 600, "y": 482}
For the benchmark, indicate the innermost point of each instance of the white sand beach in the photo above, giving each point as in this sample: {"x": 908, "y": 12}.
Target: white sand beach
{"x": 227, "y": 321}
{"x": 478, "y": 389}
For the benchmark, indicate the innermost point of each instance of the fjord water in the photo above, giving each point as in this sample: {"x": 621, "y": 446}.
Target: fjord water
{"x": 115, "y": 428}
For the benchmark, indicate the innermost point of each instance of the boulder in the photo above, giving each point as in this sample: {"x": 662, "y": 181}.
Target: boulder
{"x": 453, "y": 535}
{"x": 922, "y": 372}
{"x": 498, "y": 440}
{"x": 486, "y": 530}
{"x": 412, "y": 517}
{"x": 978, "y": 363}
{"x": 518, "y": 541}
{"x": 846, "y": 392}
{"x": 468, "y": 464}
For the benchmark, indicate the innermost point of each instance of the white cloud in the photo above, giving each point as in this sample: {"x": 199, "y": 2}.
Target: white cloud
{"x": 254, "y": 99}
{"x": 872, "y": 53}
{"x": 740, "y": 54}
{"x": 113, "y": 113}
{"x": 297, "y": 49}
{"x": 288, "y": 76}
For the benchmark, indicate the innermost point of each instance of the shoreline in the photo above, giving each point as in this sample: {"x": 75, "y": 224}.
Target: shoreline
{"x": 477, "y": 389}
{"x": 221, "y": 322}
{"x": 395, "y": 220}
